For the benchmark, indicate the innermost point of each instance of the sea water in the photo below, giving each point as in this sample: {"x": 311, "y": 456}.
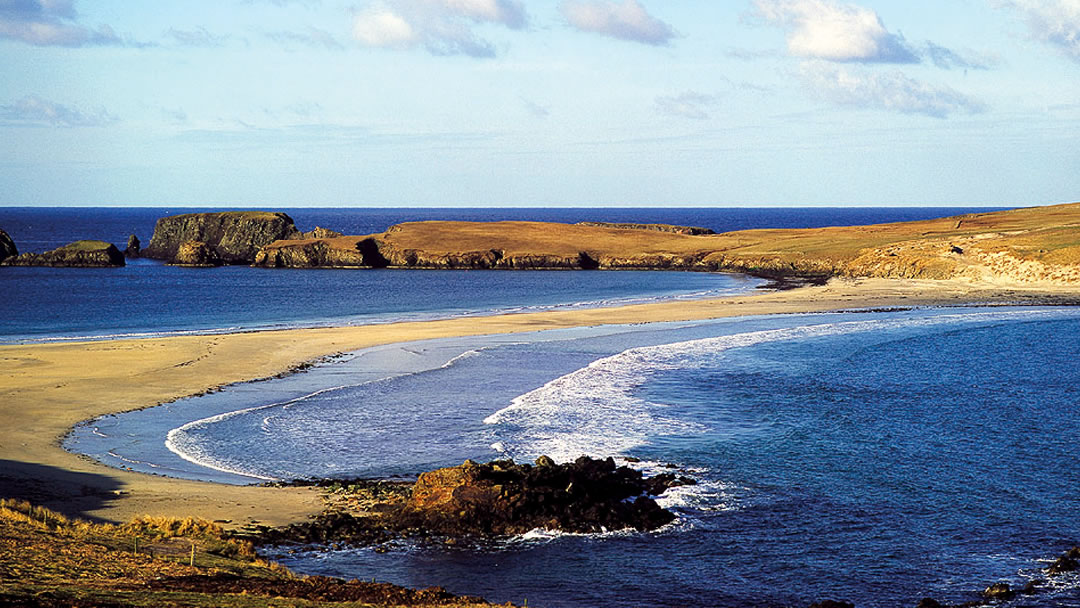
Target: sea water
{"x": 876, "y": 457}
{"x": 148, "y": 298}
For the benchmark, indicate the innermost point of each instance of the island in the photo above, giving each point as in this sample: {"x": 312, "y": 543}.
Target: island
{"x": 80, "y": 254}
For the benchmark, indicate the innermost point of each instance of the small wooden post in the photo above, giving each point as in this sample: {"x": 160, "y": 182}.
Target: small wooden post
{"x": 192, "y": 563}
{"x": 136, "y": 545}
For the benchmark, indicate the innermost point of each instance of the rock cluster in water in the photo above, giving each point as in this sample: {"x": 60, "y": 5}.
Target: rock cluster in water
{"x": 1067, "y": 562}
{"x": 80, "y": 254}
{"x": 501, "y": 498}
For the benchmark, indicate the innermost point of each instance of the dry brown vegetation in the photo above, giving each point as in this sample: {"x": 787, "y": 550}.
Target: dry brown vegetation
{"x": 1033, "y": 246}
{"x": 47, "y": 559}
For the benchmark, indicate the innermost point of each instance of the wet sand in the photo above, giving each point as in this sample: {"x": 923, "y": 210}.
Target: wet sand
{"x": 45, "y": 389}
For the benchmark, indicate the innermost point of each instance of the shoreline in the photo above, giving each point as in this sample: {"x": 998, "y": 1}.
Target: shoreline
{"x": 48, "y": 388}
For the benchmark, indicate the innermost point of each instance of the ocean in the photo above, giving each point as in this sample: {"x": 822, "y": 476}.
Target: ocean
{"x": 877, "y": 457}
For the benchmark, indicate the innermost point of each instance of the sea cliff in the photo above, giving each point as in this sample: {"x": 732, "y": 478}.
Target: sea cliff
{"x": 234, "y": 237}
{"x": 1039, "y": 245}
{"x": 80, "y": 254}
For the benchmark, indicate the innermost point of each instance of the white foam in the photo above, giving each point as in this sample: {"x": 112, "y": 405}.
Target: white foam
{"x": 594, "y": 411}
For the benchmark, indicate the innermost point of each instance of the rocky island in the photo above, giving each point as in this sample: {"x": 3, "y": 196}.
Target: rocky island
{"x": 229, "y": 237}
{"x": 1023, "y": 246}
{"x": 496, "y": 499}
{"x": 80, "y": 254}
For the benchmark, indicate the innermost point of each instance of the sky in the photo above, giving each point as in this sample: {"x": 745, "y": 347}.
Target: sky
{"x": 295, "y": 103}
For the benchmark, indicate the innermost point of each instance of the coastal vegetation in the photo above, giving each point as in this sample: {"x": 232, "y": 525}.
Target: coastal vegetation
{"x": 49, "y": 560}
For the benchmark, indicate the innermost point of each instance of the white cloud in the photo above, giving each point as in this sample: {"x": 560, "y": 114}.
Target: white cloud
{"x": 443, "y": 27}
{"x": 686, "y": 105}
{"x": 35, "y": 111}
{"x": 891, "y": 91}
{"x": 383, "y": 28}
{"x": 822, "y": 29}
{"x": 49, "y": 23}
{"x": 1054, "y": 21}
{"x": 627, "y": 20}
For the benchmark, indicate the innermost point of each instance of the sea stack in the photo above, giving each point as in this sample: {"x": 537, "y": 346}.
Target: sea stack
{"x": 133, "y": 247}
{"x": 7, "y": 247}
{"x": 234, "y": 236}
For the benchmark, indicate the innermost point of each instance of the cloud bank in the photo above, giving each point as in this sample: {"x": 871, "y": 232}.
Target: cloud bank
{"x": 689, "y": 104}
{"x": 1055, "y": 22}
{"x": 626, "y": 20}
{"x": 50, "y": 23}
{"x": 35, "y": 111}
{"x": 442, "y": 27}
{"x": 818, "y": 29}
{"x": 885, "y": 91}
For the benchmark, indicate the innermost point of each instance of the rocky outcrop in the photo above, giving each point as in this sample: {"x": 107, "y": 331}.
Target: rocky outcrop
{"x": 133, "y": 247}
{"x": 501, "y": 498}
{"x": 235, "y": 236}
{"x": 80, "y": 254}
{"x": 7, "y": 247}
{"x": 320, "y": 233}
{"x": 656, "y": 227}
{"x": 339, "y": 252}
{"x": 197, "y": 254}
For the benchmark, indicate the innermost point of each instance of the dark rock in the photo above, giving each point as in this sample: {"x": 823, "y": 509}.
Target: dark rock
{"x": 501, "y": 498}
{"x": 928, "y": 602}
{"x": 956, "y": 250}
{"x": 496, "y": 499}
{"x": 1062, "y": 565}
{"x": 235, "y": 236}
{"x": 832, "y": 604}
{"x": 7, "y": 247}
{"x": 1032, "y": 587}
{"x": 133, "y": 247}
{"x": 80, "y": 254}
{"x": 999, "y": 591}
{"x": 196, "y": 253}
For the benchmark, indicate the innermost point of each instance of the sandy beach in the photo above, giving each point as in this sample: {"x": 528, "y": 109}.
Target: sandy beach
{"x": 46, "y": 389}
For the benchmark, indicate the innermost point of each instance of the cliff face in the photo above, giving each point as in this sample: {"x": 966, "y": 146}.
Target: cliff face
{"x": 7, "y": 247}
{"x": 336, "y": 252}
{"x": 234, "y": 236}
{"x": 1024, "y": 246}
{"x": 80, "y": 254}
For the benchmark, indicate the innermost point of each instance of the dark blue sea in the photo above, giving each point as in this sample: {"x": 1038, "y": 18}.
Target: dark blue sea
{"x": 878, "y": 457}
{"x": 149, "y": 298}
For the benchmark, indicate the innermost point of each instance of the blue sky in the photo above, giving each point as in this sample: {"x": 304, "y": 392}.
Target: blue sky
{"x": 289, "y": 103}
